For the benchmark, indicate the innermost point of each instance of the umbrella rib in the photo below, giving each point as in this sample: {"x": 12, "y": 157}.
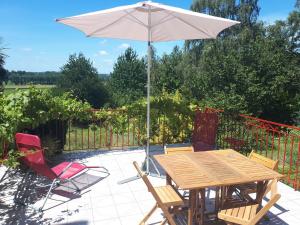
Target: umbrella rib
{"x": 202, "y": 31}
{"x": 102, "y": 28}
{"x": 163, "y": 20}
{"x": 135, "y": 19}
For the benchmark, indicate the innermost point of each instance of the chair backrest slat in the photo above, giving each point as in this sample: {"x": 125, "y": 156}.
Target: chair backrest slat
{"x": 269, "y": 163}
{"x": 26, "y": 142}
{"x": 205, "y": 128}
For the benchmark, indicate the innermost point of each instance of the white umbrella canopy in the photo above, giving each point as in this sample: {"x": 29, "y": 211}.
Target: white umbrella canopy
{"x": 148, "y": 21}
{"x": 151, "y": 22}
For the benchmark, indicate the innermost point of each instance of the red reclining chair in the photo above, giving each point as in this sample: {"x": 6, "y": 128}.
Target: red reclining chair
{"x": 30, "y": 146}
{"x": 205, "y": 131}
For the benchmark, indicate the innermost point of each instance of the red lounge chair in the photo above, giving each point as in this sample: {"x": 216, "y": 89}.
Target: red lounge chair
{"x": 30, "y": 146}
{"x": 205, "y": 131}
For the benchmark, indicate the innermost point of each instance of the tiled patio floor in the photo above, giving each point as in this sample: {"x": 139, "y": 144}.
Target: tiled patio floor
{"x": 108, "y": 203}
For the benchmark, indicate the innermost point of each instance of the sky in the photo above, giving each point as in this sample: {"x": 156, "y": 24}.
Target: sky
{"x": 35, "y": 42}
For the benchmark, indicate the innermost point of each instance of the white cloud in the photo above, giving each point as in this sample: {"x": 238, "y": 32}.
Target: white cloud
{"x": 102, "y": 52}
{"x": 124, "y": 45}
{"x": 26, "y": 49}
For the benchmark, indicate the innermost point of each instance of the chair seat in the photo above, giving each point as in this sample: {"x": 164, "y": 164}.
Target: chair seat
{"x": 168, "y": 196}
{"x": 74, "y": 169}
{"x": 238, "y": 215}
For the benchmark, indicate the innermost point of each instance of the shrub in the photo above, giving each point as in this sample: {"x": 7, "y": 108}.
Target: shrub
{"x": 33, "y": 108}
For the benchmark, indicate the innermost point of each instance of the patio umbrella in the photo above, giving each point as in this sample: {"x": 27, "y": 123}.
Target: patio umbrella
{"x": 151, "y": 22}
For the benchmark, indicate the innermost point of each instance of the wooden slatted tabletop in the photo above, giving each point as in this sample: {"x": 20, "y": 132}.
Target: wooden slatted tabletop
{"x": 198, "y": 170}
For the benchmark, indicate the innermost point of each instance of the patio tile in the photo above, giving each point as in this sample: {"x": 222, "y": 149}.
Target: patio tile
{"x": 121, "y": 198}
{"x": 82, "y": 216}
{"x": 133, "y": 219}
{"x": 146, "y": 205}
{"x": 119, "y": 188}
{"x": 114, "y": 221}
{"x": 109, "y": 164}
{"x": 102, "y": 201}
{"x": 104, "y": 213}
{"x": 137, "y": 185}
{"x": 142, "y": 195}
{"x": 128, "y": 209}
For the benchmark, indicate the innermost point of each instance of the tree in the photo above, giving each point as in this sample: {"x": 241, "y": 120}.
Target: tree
{"x": 259, "y": 74}
{"x": 245, "y": 11}
{"x": 168, "y": 72}
{"x": 128, "y": 79}
{"x": 3, "y": 72}
{"x": 293, "y": 28}
{"x": 82, "y": 79}
{"x": 297, "y": 4}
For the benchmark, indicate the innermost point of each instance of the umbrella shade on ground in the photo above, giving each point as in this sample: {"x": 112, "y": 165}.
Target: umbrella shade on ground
{"x": 151, "y": 22}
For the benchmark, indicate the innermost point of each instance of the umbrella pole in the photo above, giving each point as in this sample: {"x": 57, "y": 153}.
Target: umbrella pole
{"x": 148, "y": 158}
{"x": 148, "y": 107}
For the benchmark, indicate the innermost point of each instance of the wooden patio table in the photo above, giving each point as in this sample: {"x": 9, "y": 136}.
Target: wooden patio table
{"x": 197, "y": 171}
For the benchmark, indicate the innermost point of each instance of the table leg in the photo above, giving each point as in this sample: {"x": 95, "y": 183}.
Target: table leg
{"x": 192, "y": 202}
{"x": 202, "y": 206}
{"x": 217, "y": 199}
{"x": 261, "y": 189}
{"x": 168, "y": 179}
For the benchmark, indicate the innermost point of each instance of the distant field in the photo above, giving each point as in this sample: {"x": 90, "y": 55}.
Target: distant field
{"x": 11, "y": 88}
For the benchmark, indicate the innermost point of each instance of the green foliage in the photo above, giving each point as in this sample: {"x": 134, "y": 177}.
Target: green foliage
{"x": 167, "y": 74}
{"x": 260, "y": 71}
{"x": 244, "y": 11}
{"x": 82, "y": 79}
{"x": 33, "y": 107}
{"x": 128, "y": 78}
{"x": 171, "y": 118}
{"x": 12, "y": 159}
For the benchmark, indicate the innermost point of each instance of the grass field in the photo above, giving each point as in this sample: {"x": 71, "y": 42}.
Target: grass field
{"x": 8, "y": 89}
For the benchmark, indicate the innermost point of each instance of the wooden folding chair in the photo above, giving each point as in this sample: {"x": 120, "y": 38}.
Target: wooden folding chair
{"x": 249, "y": 188}
{"x": 167, "y": 199}
{"x": 247, "y": 214}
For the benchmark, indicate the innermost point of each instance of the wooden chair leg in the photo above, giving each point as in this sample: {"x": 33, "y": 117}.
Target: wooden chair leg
{"x": 148, "y": 215}
{"x": 169, "y": 217}
{"x": 164, "y": 222}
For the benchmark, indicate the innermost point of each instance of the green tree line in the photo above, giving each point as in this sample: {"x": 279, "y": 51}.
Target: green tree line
{"x": 23, "y": 77}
